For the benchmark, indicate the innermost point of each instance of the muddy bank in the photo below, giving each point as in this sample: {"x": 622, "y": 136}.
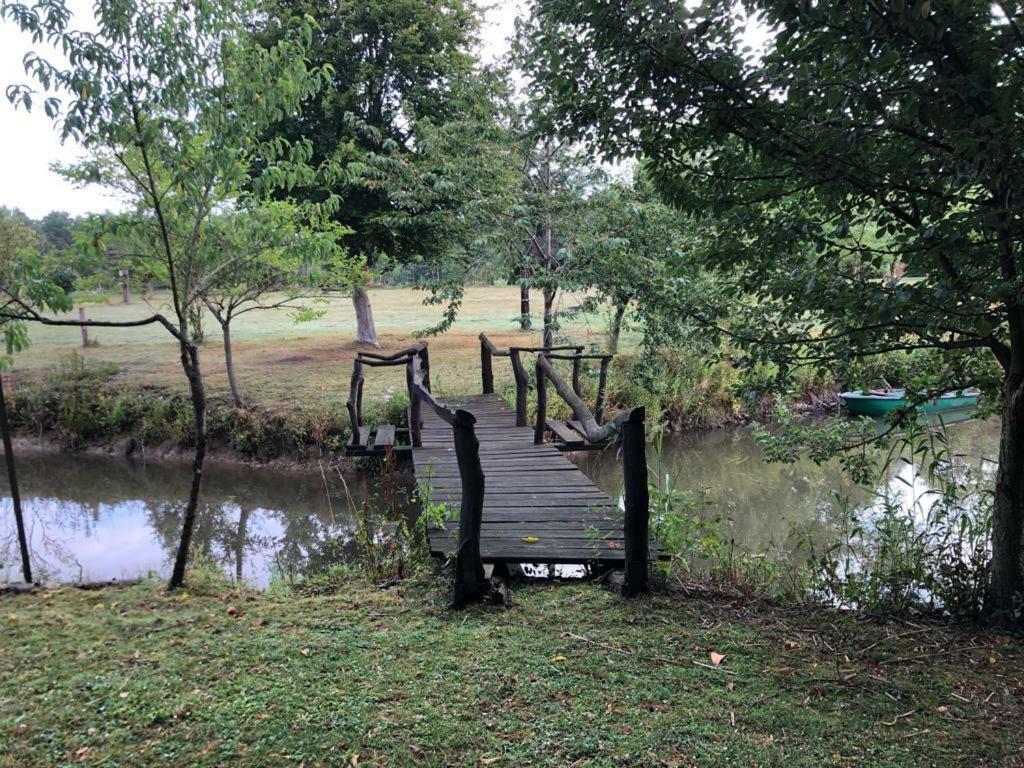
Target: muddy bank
{"x": 131, "y": 449}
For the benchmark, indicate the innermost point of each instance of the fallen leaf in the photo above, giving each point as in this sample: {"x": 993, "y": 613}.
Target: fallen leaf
{"x": 531, "y": 539}
{"x": 717, "y": 658}
{"x": 557, "y": 659}
{"x": 305, "y": 652}
{"x": 12, "y": 617}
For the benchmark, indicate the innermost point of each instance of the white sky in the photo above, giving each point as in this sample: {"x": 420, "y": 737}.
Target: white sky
{"x": 29, "y": 144}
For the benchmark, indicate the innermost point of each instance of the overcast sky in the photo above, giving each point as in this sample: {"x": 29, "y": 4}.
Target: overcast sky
{"x": 29, "y": 144}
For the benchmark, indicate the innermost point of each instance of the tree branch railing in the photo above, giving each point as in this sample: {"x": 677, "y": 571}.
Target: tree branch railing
{"x": 470, "y": 583}
{"x": 354, "y": 404}
{"x": 628, "y": 428}
{"x": 577, "y": 384}
{"x": 519, "y": 371}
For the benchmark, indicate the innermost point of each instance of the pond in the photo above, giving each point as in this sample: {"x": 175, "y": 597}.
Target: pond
{"x": 97, "y": 518}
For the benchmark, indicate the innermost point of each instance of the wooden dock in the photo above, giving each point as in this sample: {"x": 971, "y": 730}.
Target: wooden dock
{"x": 538, "y": 506}
{"x": 518, "y": 498}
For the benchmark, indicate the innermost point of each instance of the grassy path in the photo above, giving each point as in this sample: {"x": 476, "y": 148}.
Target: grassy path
{"x": 569, "y": 675}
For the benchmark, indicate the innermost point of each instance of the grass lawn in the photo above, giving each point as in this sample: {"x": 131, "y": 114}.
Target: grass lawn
{"x": 280, "y": 362}
{"x": 568, "y": 675}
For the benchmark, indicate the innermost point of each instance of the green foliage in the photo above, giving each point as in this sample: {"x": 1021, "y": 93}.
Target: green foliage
{"x": 923, "y": 543}
{"x": 856, "y": 179}
{"x": 389, "y": 66}
{"x": 83, "y": 404}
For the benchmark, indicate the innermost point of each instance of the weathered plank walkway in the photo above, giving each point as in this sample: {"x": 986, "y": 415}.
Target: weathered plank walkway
{"x": 538, "y": 506}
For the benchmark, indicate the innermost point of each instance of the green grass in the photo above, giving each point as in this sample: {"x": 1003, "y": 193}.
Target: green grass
{"x": 568, "y": 675}
{"x": 280, "y": 362}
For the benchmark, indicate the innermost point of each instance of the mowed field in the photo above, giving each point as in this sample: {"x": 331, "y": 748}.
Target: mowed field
{"x": 281, "y": 362}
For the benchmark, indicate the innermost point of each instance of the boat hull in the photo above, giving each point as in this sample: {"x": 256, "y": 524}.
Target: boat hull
{"x": 860, "y": 404}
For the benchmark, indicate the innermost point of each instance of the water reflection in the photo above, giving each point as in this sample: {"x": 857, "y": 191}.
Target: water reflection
{"x": 97, "y": 518}
{"x": 762, "y": 504}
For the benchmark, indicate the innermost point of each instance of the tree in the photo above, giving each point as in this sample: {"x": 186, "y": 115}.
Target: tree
{"x": 861, "y": 137}
{"x": 268, "y": 258}
{"x": 20, "y": 276}
{"x": 628, "y": 240}
{"x": 394, "y": 63}
{"x": 173, "y": 102}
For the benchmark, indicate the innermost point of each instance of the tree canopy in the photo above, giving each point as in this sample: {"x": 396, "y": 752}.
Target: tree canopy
{"x": 857, "y": 172}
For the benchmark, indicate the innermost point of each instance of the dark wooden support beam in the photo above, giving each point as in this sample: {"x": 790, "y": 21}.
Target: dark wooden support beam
{"x": 486, "y": 368}
{"x": 415, "y": 419}
{"x": 522, "y": 386}
{"x": 425, "y": 364}
{"x": 470, "y": 583}
{"x": 353, "y": 405}
{"x": 542, "y": 403}
{"x": 637, "y": 517}
{"x": 602, "y": 385}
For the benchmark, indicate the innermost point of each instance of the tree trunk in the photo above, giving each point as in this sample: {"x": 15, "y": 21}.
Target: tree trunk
{"x": 1006, "y": 588}
{"x": 195, "y": 323}
{"x": 616, "y": 328}
{"x": 366, "y": 331}
{"x": 197, "y": 391}
{"x": 229, "y": 363}
{"x": 524, "y": 302}
{"x": 12, "y": 477}
{"x": 243, "y": 529}
{"x": 549, "y": 316}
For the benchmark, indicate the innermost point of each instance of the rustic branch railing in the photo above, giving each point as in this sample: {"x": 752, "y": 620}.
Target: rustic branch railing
{"x": 354, "y": 404}
{"x": 470, "y": 583}
{"x": 519, "y": 372}
{"x": 577, "y": 385}
{"x": 629, "y": 428}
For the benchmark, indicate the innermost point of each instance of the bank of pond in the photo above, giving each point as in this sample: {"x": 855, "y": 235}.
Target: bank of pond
{"x": 94, "y": 518}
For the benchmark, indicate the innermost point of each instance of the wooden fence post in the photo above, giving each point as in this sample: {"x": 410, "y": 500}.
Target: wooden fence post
{"x": 470, "y": 583}
{"x": 577, "y": 385}
{"x": 636, "y": 524}
{"x": 425, "y": 359}
{"x": 486, "y": 368}
{"x": 415, "y": 434}
{"x": 542, "y": 403}
{"x": 602, "y": 384}
{"x": 522, "y": 386}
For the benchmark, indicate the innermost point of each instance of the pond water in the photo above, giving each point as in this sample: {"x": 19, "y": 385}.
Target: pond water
{"x": 97, "y": 518}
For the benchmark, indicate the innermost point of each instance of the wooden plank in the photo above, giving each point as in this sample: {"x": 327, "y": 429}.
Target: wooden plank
{"x": 563, "y": 433}
{"x": 384, "y": 437}
{"x": 361, "y": 439}
{"x": 530, "y": 491}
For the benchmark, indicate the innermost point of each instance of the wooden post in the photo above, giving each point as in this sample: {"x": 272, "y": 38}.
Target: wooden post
{"x": 602, "y": 384}
{"x": 353, "y": 400}
{"x": 470, "y": 583}
{"x": 522, "y": 386}
{"x": 85, "y": 328}
{"x": 542, "y": 404}
{"x": 425, "y": 360}
{"x": 577, "y": 385}
{"x": 635, "y": 528}
{"x": 486, "y": 368}
{"x": 415, "y": 422}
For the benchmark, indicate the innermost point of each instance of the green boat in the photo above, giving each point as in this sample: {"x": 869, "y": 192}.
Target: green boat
{"x": 880, "y": 402}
